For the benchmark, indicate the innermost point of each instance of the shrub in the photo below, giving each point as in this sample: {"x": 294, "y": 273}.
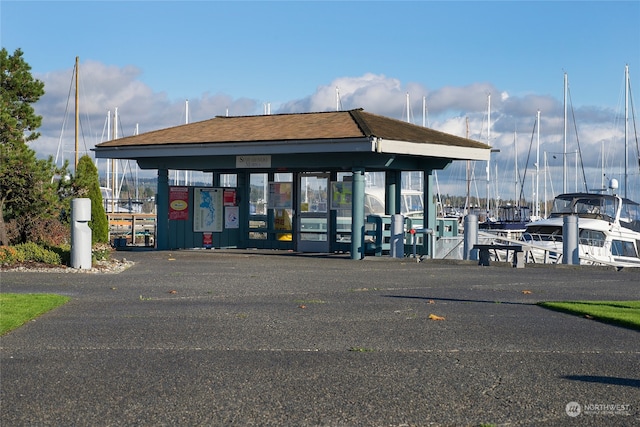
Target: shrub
{"x": 8, "y": 255}
{"x": 45, "y": 231}
{"x": 49, "y": 232}
{"x": 32, "y": 252}
{"x": 101, "y": 252}
{"x": 56, "y": 255}
{"x": 63, "y": 251}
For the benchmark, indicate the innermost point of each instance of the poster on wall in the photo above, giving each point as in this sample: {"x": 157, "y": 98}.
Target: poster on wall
{"x": 207, "y": 209}
{"x": 230, "y": 197}
{"x": 231, "y": 214}
{"x": 280, "y": 195}
{"x": 178, "y": 203}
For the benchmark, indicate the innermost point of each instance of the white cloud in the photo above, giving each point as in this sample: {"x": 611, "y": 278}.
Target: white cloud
{"x": 104, "y": 88}
{"x": 456, "y": 110}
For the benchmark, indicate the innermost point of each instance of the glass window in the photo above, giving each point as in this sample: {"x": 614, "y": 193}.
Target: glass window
{"x": 283, "y": 216}
{"x": 257, "y": 206}
{"x": 622, "y": 248}
{"x": 228, "y": 180}
{"x": 259, "y": 191}
{"x": 592, "y": 238}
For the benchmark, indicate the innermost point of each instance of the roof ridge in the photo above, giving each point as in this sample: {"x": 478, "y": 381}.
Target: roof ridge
{"x": 360, "y": 121}
{"x": 288, "y": 114}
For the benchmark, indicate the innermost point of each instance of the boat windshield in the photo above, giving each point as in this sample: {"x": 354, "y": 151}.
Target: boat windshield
{"x": 585, "y": 206}
{"x": 630, "y": 215}
{"x": 514, "y": 213}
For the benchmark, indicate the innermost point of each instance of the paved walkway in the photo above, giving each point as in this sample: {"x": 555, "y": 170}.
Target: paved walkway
{"x": 266, "y": 338}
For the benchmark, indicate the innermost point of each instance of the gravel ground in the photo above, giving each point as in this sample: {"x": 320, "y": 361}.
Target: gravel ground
{"x": 266, "y": 338}
{"x": 115, "y": 265}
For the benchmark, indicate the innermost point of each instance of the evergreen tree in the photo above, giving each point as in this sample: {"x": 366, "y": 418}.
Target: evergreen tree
{"x": 86, "y": 183}
{"x": 28, "y": 193}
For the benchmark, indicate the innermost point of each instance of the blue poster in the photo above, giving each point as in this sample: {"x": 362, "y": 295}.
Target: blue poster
{"x": 207, "y": 211}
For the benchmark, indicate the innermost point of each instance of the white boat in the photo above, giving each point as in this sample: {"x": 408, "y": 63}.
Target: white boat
{"x": 609, "y": 230}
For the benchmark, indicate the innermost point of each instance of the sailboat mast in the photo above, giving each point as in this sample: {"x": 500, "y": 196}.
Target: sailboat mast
{"x": 488, "y": 143}
{"x": 545, "y": 183}
{"x": 115, "y": 193}
{"x": 186, "y": 122}
{"x": 564, "y": 152}
{"x": 408, "y": 109}
{"x": 626, "y": 129}
{"x": 75, "y": 164}
{"x": 516, "y": 197}
{"x": 108, "y": 183}
{"x": 537, "y": 199}
{"x": 467, "y": 200}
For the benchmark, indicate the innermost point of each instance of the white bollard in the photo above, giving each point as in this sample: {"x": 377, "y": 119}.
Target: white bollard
{"x": 80, "y": 234}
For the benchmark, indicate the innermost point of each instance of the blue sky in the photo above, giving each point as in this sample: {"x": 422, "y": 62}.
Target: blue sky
{"x": 147, "y": 57}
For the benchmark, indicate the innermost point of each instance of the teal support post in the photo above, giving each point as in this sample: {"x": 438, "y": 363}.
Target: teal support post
{"x": 430, "y": 217}
{"x": 162, "y": 211}
{"x": 357, "y": 214}
{"x": 393, "y": 180}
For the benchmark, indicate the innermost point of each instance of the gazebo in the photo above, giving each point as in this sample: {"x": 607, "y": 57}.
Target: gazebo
{"x": 287, "y": 181}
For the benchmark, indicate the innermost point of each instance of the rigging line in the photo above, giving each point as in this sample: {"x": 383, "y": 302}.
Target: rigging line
{"x": 64, "y": 121}
{"x": 526, "y": 165}
{"x": 635, "y": 129}
{"x": 125, "y": 165}
{"x": 86, "y": 115}
{"x": 84, "y": 141}
{"x": 575, "y": 126}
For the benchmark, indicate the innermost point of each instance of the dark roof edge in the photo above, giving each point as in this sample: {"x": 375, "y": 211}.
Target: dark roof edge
{"x": 362, "y": 124}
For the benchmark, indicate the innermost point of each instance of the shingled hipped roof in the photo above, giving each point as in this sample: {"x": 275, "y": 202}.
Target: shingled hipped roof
{"x": 293, "y": 127}
{"x": 338, "y": 132}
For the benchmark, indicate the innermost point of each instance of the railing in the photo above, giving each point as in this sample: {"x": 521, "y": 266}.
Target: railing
{"x": 132, "y": 229}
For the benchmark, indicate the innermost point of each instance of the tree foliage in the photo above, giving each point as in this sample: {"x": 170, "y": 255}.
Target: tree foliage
{"x": 28, "y": 192}
{"x": 18, "y": 91}
{"x": 86, "y": 183}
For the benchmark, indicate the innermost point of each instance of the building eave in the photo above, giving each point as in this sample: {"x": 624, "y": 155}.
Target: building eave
{"x": 422, "y": 149}
{"x": 347, "y": 145}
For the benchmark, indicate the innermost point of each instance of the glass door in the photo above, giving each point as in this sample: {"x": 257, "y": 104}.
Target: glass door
{"x": 313, "y": 212}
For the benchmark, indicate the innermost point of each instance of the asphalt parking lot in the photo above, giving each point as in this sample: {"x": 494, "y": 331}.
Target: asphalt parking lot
{"x": 270, "y": 338}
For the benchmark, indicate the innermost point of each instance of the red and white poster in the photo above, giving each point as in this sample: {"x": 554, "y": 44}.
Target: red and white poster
{"x": 179, "y": 203}
{"x": 229, "y": 197}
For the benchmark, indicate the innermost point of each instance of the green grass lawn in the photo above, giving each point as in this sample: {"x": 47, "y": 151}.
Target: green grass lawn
{"x": 17, "y": 309}
{"x": 621, "y": 313}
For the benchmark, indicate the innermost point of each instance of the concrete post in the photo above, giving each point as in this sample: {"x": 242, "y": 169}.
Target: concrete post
{"x": 430, "y": 211}
{"x": 80, "y": 234}
{"x": 470, "y": 235}
{"x": 162, "y": 211}
{"x": 357, "y": 214}
{"x": 396, "y": 249}
{"x": 570, "y": 235}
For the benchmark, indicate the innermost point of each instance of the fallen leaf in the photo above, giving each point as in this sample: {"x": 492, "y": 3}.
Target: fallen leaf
{"x": 434, "y": 317}
{"x": 302, "y": 306}
{"x": 173, "y": 291}
{"x": 527, "y": 292}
